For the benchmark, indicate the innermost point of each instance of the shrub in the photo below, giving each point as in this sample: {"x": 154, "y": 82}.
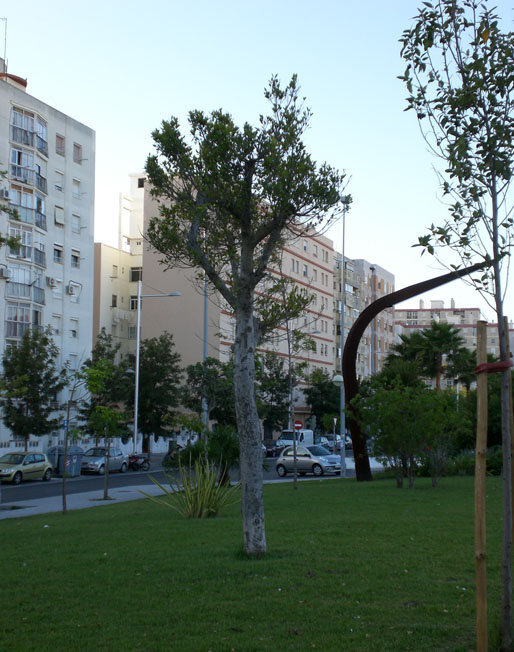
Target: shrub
{"x": 197, "y": 493}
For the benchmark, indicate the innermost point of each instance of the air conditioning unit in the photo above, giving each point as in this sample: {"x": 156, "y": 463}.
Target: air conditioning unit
{"x": 71, "y": 289}
{"x": 4, "y": 193}
{"x": 51, "y": 282}
{"x": 5, "y": 273}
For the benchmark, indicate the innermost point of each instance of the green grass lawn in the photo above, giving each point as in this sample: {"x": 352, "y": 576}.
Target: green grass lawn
{"x": 350, "y": 566}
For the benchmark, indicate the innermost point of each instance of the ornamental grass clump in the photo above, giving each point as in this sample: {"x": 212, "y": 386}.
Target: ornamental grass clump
{"x": 197, "y": 492}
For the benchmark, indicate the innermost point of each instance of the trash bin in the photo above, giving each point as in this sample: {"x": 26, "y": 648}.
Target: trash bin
{"x": 73, "y": 460}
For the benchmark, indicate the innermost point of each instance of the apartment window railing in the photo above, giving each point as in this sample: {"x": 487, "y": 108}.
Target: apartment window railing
{"x": 23, "y": 174}
{"x": 18, "y": 290}
{"x": 40, "y": 220}
{"x": 16, "y": 329}
{"x": 41, "y": 183}
{"x": 42, "y": 146}
{"x": 39, "y": 295}
{"x": 40, "y": 258}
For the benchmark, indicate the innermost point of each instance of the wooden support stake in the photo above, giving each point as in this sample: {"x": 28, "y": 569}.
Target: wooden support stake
{"x": 506, "y": 324}
{"x": 480, "y": 467}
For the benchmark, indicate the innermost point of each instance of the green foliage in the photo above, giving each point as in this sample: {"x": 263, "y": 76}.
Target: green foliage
{"x": 214, "y": 380}
{"x": 159, "y": 385}
{"x": 227, "y": 199}
{"x": 409, "y": 425}
{"x": 197, "y": 494}
{"x": 273, "y": 391}
{"x": 106, "y": 383}
{"x": 461, "y": 86}
{"x": 322, "y": 396}
{"x": 430, "y": 348}
{"x": 30, "y": 384}
{"x": 223, "y": 450}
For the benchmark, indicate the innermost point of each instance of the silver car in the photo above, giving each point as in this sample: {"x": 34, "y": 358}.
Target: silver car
{"x": 94, "y": 460}
{"x": 309, "y": 459}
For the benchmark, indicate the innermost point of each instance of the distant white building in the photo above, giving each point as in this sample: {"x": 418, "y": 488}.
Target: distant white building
{"x": 49, "y": 160}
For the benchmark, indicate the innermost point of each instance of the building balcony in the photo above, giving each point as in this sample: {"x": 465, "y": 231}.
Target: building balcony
{"x": 29, "y": 177}
{"x": 42, "y": 146}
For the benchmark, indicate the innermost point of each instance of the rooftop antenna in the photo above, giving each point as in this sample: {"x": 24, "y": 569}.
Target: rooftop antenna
{"x": 5, "y": 44}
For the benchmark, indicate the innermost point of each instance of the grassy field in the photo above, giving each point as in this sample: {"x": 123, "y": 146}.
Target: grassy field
{"x": 350, "y": 566}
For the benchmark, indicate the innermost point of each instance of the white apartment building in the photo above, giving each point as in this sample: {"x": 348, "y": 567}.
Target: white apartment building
{"x": 49, "y": 160}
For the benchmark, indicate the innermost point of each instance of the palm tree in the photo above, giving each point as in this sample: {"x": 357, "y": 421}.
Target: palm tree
{"x": 431, "y": 348}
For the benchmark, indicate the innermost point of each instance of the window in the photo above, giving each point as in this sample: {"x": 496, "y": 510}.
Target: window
{"x": 75, "y": 258}
{"x": 305, "y": 245}
{"x": 75, "y": 223}
{"x": 315, "y": 250}
{"x": 115, "y": 271}
{"x": 17, "y": 319}
{"x": 22, "y": 165}
{"x": 58, "y": 254}
{"x": 141, "y": 182}
{"x": 77, "y": 153}
{"x": 59, "y": 181}
{"x": 41, "y": 138}
{"x": 74, "y": 327}
{"x": 305, "y": 270}
{"x": 136, "y": 274}
{"x": 56, "y": 324}
{"x": 24, "y": 235}
{"x": 59, "y": 215}
{"x": 132, "y": 332}
{"x": 76, "y": 189}
{"x": 315, "y": 274}
{"x": 22, "y": 127}
{"x": 59, "y": 144}
{"x": 114, "y": 301}
{"x": 133, "y": 303}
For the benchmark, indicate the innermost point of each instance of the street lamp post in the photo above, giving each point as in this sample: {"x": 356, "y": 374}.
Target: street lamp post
{"x": 338, "y": 380}
{"x": 138, "y": 346}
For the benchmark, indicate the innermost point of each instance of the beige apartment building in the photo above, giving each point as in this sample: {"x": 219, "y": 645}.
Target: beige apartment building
{"x": 49, "y": 160}
{"x": 306, "y": 262}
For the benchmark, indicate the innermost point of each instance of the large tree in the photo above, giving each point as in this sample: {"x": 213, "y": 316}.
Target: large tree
{"x": 228, "y": 199}
{"x": 213, "y": 381}
{"x": 30, "y": 385}
{"x": 322, "y": 396}
{"x": 460, "y": 80}
{"x": 159, "y": 386}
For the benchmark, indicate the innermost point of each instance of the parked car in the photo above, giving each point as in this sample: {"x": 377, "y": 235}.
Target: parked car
{"x": 15, "y": 467}
{"x": 330, "y": 442}
{"x": 275, "y": 447}
{"x": 314, "y": 459}
{"x": 94, "y": 460}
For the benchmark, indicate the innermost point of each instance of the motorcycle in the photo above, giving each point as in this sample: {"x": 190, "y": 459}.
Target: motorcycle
{"x": 139, "y": 462}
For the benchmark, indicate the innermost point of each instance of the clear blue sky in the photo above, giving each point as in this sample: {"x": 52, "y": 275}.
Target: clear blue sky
{"x": 122, "y": 67}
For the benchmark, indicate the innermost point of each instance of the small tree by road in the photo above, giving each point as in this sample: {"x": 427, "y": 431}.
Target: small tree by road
{"x": 30, "y": 385}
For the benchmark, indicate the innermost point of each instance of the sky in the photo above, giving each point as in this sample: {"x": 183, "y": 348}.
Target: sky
{"x": 121, "y": 67}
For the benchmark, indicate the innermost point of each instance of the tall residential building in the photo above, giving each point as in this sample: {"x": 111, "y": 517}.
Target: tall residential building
{"x": 49, "y": 160}
{"x": 117, "y": 271}
{"x": 409, "y": 320}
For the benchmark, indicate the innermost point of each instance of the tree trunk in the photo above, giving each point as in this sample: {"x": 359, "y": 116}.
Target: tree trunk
{"x": 248, "y": 426}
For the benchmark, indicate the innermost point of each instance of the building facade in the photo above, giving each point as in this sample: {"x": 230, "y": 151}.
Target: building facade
{"x": 117, "y": 271}
{"x": 409, "y": 320}
{"x": 49, "y": 159}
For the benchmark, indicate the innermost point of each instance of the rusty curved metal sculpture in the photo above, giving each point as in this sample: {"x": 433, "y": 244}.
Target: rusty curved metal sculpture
{"x": 351, "y": 384}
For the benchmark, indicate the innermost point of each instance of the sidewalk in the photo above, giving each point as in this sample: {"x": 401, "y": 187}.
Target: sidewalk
{"x": 17, "y": 509}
